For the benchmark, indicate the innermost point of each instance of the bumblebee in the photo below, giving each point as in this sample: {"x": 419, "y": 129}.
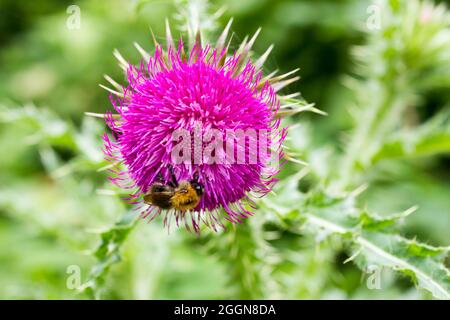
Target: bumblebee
{"x": 182, "y": 196}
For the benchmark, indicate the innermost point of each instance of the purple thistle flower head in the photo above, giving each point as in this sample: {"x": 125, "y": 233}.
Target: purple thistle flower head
{"x": 200, "y": 117}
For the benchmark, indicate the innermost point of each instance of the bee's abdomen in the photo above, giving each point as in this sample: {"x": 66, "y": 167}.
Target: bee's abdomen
{"x": 159, "y": 196}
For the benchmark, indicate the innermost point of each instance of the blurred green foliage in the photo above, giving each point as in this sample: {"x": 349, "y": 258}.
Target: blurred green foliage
{"x": 55, "y": 206}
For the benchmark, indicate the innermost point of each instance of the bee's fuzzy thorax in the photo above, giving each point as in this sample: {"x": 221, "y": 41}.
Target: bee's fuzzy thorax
{"x": 185, "y": 197}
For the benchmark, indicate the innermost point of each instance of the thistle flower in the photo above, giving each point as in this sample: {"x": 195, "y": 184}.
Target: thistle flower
{"x": 197, "y": 90}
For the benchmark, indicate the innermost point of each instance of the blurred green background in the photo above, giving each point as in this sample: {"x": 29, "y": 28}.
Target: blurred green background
{"x": 53, "y": 201}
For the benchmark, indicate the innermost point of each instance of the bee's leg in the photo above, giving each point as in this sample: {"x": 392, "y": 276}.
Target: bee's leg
{"x": 173, "y": 183}
{"x": 159, "y": 177}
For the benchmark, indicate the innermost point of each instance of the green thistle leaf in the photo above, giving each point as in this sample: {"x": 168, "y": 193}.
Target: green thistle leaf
{"x": 369, "y": 236}
{"x": 108, "y": 253}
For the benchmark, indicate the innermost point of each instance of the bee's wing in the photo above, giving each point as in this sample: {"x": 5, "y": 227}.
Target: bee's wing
{"x": 152, "y": 196}
{"x": 148, "y": 198}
